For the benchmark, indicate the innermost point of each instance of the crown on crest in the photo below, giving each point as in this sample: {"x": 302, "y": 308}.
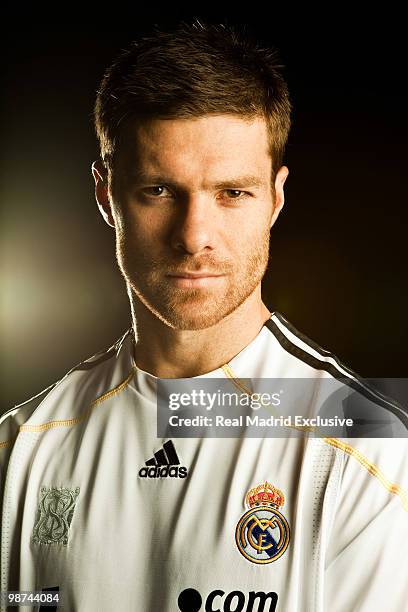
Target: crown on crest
{"x": 265, "y": 495}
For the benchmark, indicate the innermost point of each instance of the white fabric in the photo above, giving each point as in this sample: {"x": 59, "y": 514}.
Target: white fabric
{"x": 136, "y": 544}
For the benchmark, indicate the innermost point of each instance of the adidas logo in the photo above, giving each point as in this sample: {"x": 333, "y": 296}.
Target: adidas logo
{"x": 164, "y": 464}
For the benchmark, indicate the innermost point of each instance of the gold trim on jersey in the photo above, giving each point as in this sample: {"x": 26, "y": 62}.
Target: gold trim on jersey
{"x": 375, "y": 471}
{"x": 371, "y": 468}
{"x": 70, "y": 422}
{"x": 241, "y": 386}
{"x": 236, "y": 381}
{"x": 7, "y": 443}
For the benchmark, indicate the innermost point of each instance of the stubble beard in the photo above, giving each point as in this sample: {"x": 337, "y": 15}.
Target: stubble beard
{"x": 193, "y": 308}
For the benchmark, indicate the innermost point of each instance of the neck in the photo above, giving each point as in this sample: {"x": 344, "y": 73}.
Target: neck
{"x": 171, "y": 353}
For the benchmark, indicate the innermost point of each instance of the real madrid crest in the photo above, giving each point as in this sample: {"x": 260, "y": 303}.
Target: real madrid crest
{"x": 262, "y": 534}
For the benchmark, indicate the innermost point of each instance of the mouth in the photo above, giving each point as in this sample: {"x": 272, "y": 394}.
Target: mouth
{"x": 194, "y": 279}
{"x": 194, "y": 274}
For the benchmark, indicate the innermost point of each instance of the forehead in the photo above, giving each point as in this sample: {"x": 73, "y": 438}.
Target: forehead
{"x": 214, "y": 144}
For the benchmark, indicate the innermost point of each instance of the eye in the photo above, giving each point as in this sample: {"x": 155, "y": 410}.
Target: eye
{"x": 234, "y": 194}
{"x": 156, "y": 191}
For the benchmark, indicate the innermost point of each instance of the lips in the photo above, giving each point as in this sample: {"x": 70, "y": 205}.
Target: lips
{"x": 193, "y": 274}
{"x": 194, "y": 280}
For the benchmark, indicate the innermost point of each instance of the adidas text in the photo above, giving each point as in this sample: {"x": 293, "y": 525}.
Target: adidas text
{"x": 165, "y": 471}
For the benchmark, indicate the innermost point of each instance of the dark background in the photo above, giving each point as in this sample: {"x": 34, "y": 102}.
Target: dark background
{"x": 338, "y": 251}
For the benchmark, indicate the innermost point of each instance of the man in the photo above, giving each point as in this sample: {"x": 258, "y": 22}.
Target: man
{"x": 192, "y": 126}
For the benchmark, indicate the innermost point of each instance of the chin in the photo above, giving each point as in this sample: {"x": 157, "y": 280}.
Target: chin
{"x": 195, "y": 316}
{"x": 183, "y": 319}
{"x": 194, "y": 309}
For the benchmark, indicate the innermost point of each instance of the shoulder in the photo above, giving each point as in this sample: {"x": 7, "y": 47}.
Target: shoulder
{"x": 304, "y": 358}
{"x": 374, "y": 451}
{"x": 299, "y": 346}
{"x": 67, "y": 398}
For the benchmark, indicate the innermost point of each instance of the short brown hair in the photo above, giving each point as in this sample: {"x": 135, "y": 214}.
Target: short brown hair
{"x": 189, "y": 71}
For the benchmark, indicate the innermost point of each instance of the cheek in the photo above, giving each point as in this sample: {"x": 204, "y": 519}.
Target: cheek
{"x": 140, "y": 227}
{"x": 249, "y": 231}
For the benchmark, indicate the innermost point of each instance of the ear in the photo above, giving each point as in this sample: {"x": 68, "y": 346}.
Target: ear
{"x": 102, "y": 192}
{"x": 280, "y": 179}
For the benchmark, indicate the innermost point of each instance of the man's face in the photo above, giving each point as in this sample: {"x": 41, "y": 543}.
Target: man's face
{"x": 192, "y": 205}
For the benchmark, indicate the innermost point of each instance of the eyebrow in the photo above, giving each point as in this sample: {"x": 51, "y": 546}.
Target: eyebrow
{"x": 233, "y": 183}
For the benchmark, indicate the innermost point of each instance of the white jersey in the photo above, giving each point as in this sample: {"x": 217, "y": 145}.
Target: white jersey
{"x": 96, "y": 506}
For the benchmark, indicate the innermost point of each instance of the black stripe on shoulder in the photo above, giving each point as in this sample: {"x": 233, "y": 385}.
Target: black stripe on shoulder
{"x": 305, "y": 339}
{"x": 89, "y": 364}
{"x": 356, "y": 383}
{"x": 101, "y": 356}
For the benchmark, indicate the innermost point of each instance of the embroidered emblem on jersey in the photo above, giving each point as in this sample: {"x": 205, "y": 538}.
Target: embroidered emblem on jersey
{"x": 262, "y": 534}
{"x": 54, "y": 515}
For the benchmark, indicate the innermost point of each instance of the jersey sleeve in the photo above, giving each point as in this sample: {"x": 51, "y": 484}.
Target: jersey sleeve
{"x": 366, "y": 564}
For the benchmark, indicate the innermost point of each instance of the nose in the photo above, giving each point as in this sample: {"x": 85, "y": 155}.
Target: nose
{"x": 193, "y": 230}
